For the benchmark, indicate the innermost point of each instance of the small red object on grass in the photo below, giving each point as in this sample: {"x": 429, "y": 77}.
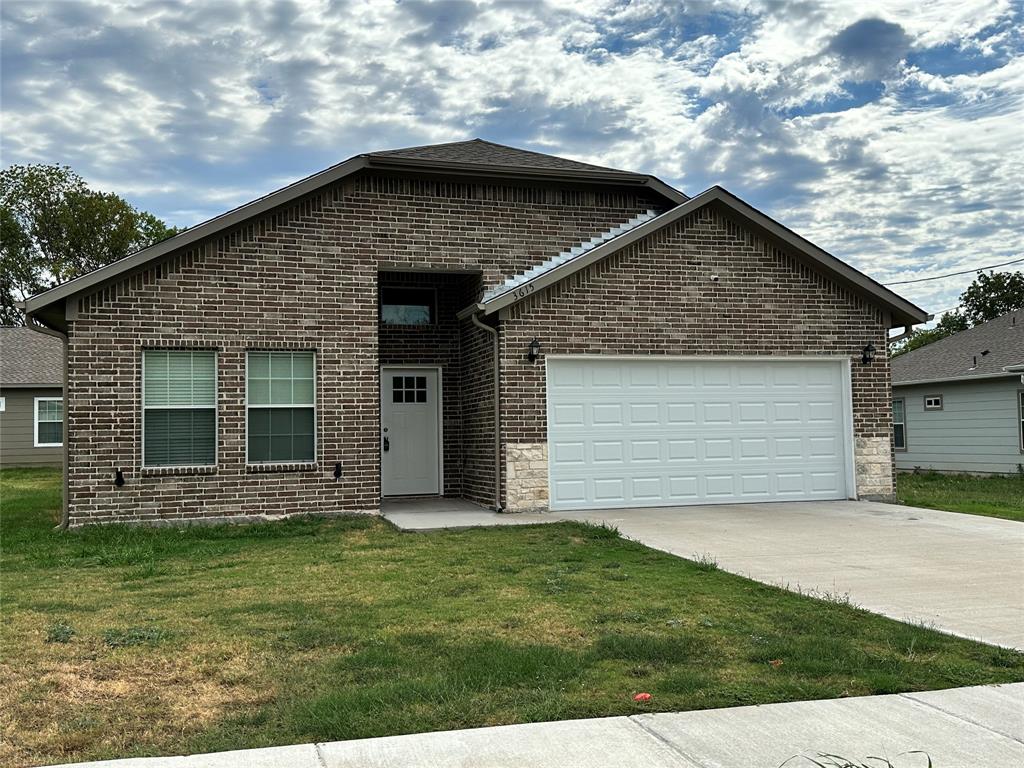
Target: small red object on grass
{"x": 642, "y": 697}
{"x": 775, "y": 663}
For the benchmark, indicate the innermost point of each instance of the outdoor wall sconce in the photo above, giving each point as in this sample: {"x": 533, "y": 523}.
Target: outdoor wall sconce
{"x": 337, "y": 471}
{"x": 534, "y": 351}
{"x": 118, "y": 478}
{"x": 867, "y": 354}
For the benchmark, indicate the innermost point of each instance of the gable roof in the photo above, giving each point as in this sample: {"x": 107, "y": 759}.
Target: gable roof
{"x": 476, "y": 158}
{"x": 902, "y": 311}
{"x": 480, "y": 152}
{"x": 992, "y": 349}
{"x": 29, "y": 358}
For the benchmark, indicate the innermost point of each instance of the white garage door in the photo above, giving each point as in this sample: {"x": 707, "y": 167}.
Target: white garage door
{"x": 643, "y": 432}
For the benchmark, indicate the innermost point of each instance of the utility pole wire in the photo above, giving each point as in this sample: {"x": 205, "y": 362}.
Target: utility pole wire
{"x": 955, "y": 274}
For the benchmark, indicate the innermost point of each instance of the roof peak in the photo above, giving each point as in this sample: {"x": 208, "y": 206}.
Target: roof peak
{"x": 478, "y": 151}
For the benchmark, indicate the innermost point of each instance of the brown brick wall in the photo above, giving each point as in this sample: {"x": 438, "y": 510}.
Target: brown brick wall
{"x": 304, "y": 277}
{"x": 656, "y": 298}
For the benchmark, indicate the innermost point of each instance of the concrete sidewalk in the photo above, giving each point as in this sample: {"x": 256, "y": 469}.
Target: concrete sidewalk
{"x": 957, "y": 728}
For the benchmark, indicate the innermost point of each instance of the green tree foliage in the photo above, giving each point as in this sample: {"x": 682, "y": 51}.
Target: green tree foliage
{"x": 991, "y": 295}
{"x": 53, "y": 228}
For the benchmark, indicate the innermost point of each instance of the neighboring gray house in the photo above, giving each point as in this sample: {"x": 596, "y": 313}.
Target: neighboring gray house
{"x": 31, "y": 399}
{"x": 958, "y": 404}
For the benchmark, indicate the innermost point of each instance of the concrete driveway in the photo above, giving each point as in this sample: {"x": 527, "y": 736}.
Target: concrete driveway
{"x": 963, "y": 574}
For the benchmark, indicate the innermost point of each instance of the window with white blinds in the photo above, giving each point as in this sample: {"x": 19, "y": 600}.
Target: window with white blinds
{"x": 179, "y": 408}
{"x": 280, "y": 402}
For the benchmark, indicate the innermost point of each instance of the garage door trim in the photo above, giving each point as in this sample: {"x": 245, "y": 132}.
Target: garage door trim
{"x": 845, "y": 370}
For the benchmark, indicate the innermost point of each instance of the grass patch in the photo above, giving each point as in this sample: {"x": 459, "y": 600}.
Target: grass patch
{"x": 229, "y": 637}
{"x": 990, "y": 496}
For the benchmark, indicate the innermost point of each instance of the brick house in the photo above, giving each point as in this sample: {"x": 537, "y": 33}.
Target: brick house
{"x": 472, "y": 320}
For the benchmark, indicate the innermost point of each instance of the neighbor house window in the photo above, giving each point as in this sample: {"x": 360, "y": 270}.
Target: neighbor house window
{"x": 49, "y": 422}
{"x": 899, "y": 425}
{"x": 179, "y": 408}
{"x": 933, "y": 402}
{"x": 3, "y": 404}
{"x": 407, "y": 306}
{"x": 281, "y": 407}
{"x": 1020, "y": 395}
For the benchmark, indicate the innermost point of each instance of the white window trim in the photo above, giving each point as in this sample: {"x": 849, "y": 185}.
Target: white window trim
{"x": 937, "y": 406}
{"x": 215, "y": 406}
{"x": 316, "y": 425}
{"x": 895, "y": 447}
{"x": 35, "y": 421}
{"x": 1020, "y": 417}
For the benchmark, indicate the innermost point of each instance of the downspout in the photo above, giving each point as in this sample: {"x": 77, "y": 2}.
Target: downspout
{"x": 475, "y": 317}
{"x": 35, "y": 325}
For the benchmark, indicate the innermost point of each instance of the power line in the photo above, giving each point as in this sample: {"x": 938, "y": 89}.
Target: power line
{"x": 955, "y": 274}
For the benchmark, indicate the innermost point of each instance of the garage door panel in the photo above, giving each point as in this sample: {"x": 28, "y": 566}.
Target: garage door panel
{"x": 642, "y": 432}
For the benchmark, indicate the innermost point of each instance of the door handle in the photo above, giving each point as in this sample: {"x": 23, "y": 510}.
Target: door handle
{"x": 387, "y": 444}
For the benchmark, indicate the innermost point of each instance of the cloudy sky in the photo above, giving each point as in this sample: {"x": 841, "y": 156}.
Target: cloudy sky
{"x": 889, "y": 133}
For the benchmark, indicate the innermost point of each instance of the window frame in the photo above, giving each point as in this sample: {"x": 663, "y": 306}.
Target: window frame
{"x": 1020, "y": 416}
{"x": 938, "y": 407}
{"x": 316, "y": 424}
{"x": 903, "y": 403}
{"x": 433, "y": 305}
{"x": 35, "y": 421}
{"x": 3, "y": 404}
{"x": 215, "y": 406}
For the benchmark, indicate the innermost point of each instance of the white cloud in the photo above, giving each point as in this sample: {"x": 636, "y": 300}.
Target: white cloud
{"x": 887, "y": 132}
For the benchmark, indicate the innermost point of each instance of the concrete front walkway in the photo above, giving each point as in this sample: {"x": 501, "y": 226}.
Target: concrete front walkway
{"x": 957, "y": 728}
{"x": 959, "y": 573}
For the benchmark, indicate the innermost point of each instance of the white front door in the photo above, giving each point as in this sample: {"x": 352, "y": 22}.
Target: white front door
{"x": 646, "y": 432}
{"x": 410, "y": 431}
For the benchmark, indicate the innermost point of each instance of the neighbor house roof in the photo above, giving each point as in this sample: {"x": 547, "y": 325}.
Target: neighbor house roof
{"x": 992, "y": 349}
{"x": 558, "y": 268}
{"x": 472, "y": 159}
{"x": 29, "y": 358}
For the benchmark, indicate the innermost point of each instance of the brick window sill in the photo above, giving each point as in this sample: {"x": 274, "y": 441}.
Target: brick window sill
{"x": 166, "y": 471}
{"x": 305, "y": 466}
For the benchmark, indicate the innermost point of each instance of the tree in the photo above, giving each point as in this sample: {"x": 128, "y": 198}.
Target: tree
{"x": 53, "y": 228}
{"x": 988, "y": 297}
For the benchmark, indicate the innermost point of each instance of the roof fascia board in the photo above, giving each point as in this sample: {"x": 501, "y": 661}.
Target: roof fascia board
{"x": 952, "y": 379}
{"x": 907, "y": 311}
{"x": 195, "y": 234}
{"x": 824, "y": 258}
{"x": 517, "y": 172}
{"x": 236, "y": 216}
{"x": 41, "y": 385}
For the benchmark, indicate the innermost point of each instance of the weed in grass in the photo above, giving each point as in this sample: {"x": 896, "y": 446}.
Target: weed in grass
{"x": 705, "y": 561}
{"x": 60, "y": 632}
{"x": 599, "y": 531}
{"x": 124, "y": 638}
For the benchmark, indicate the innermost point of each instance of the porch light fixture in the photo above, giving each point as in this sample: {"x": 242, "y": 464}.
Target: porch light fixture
{"x": 867, "y": 354}
{"x": 118, "y": 478}
{"x": 534, "y": 351}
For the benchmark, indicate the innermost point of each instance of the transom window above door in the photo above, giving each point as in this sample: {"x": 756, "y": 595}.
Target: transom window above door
{"x": 407, "y": 305}
{"x": 408, "y": 389}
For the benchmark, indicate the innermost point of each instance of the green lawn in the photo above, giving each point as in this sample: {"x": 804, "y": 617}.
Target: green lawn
{"x": 991, "y": 496}
{"x": 120, "y": 642}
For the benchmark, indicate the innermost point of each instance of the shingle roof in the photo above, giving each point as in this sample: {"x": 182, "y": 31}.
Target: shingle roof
{"x": 480, "y": 152}
{"x": 28, "y": 357}
{"x": 984, "y": 350}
